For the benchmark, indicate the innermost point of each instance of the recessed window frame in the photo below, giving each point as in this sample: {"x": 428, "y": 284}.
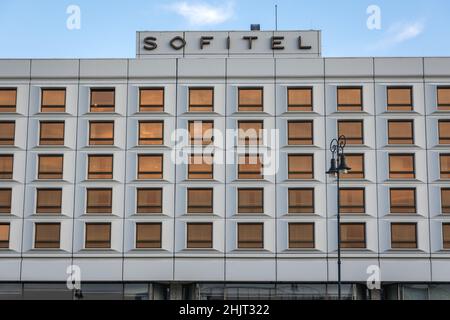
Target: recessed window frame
{"x": 55, "y": 175}
{"x": 257, "y": 175}
{"x": 444, "y": 139}
{"x": 303, "y": 244}
{"x": 92, "y": 107}
{"x": 444, "y": 174}
{"x": 340, "y": 106}
{"x": 209, "y": 243}
{"x": 53, "y": 108}
{"x": 42, "y": 244}
{"x": 156, "y": 107}
{"x": 90, "y": 174}
{"x": 4, "y": 244}
{"x": 159, "y": 175}
{"x": 309, "y": 140}
{"x": 107, "y": 242}
{"x": 409, "y": 140}
{"x": 350, "y": 140}
{"x": 160, "y": 207}
{"x": 59, "y": 141}
{"x": 192, "y": 209}
{"x": 391, "y": 107}
{"x": 300, "y": 107}
{"x": 258, "y": 209}
{"x": 358, "y": 209}
{"x": 347, "y": 244}
{"x": 445, "y": 209}
{"x": 206, "y": 175}
{"x": 140, "y": 244}
{"x": 5, "y": 208}
{"x": 292, "y": 172}
{"x": 207, "y": 107}
{"x": 9, "y": 108}
{"x": 249, "y": 107}
{"x": 238, "y": 241}
{"x": 442, "y": 106}
{"x": 8, "y": 140}
{"x": 413, "y": 172}
{"x": 7, "y": 175}
{"x": 91, "y": 139}
{"x": 105, "y": 210}
{"x": 159, "y": 140}
{"x": 300, "y": 212}
{"x": 49, "y": 210}
{"x": 413, "y": 209}
{"x": 396, "y": 247}
{"x": 445, "y": 237}
{"x": 193, "y": 140}
{"x": 353, "y": 174}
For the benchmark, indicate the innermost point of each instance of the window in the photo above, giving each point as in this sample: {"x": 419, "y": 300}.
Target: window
{"x": 399, "y": 99}
{"x": 151, "y": 132}
{"x": 6, "y": 166}
{"x": 102, "y": 100}
{"x": 8, "y": 99}
{"x": 201, "y": 99}
{"x": 251, "y": 200}
{"x": 443, "y": 98}
{"x": 445, "y": 200}
{"x": 100, "y": 166}
{"x": 149, "y": 200}
{"x": 250, "y": 167}
{"x": 199, "y": 235}
{"x": 400, "y": 132}
{"x": 403, "y": 200}
{"x": 301, "y": 235}
{"x": 445, "y": 166}
{"x": 201, "y": 132}
{"x": 401, "y": 166}
{"x": 352, "y": 200}
{"x": 300, "y": 166}
{"x": 99, "y": 201}
{"x": 48, "y": 201}
{"x": 51, "y": 133}
{"x": 349, "y": 99}
{"x": 5, "y": 200}
{"x": 352, "y": 130}
{"x": 7, "y": 133}
{"x": 150, "y": 166}
{"x": 250, "y": 235}
{"x": 444, "y": 131}
{"x": 250, "y": 132}
{"x": 50, "y": 167}
{"x": 200, "y": 200}
{"x": 151, "y": 99}
{"x": 353, "y": 235}
{"x": 148, "y": 235}
{"x": 300, "y": 132}
{"x": 299, "y": 99}
{"x": 250, "y": 99}
{"x": 403, "y": 235}
{"x": 4, "y": 235}
{"x": 356, "y": 163}
{"x": 446, "y": 235}
{"x": 98, "y": 236}
{"x": 301, "y": 200}
{"x": 47, "y": 235}
{"x": 101, "y": 132}
{"x": 200, "y": 166}
{"x": 53, "y": 100}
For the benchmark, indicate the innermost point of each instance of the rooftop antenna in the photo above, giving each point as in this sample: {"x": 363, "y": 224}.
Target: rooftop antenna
{"x": 276, "y": 17}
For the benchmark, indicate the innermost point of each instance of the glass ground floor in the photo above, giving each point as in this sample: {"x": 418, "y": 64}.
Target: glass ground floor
{"x": 221, "y": 291}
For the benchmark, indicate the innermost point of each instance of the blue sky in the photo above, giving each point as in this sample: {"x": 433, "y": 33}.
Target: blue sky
{"x": 38, "y": 29}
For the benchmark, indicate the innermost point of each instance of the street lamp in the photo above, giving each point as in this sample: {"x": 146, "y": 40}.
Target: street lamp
{"x": 338, "y": 166}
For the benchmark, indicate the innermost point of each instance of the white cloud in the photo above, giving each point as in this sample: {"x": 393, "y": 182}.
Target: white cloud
{"x": 200, "y": 13}
{"x": 399, "y": 33}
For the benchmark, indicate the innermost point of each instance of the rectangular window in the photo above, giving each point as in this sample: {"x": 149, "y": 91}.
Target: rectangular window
{"x": 151, "y": 99}
{"x": 102, "y": 100}
{"x": 445, "y": 200}
{"x": 99, "y": 201}
{"x": 250, "y": 132}
{"x": 6, "y": 166}
{"x": 151, "y": 132}
{"x": 200, "y": 167}
{"x": 301, "y": 200}
{"x": 446, "y": 235}
{"x": 349, "y": 99}
{"x": 399, "y": 99}
{"x": 201, "y": 99}
{"x": 148, "y": 235}
{"x": 443, "y": 98}
{"x": 51, "y": 133}
{"x": 8, "y": 99}
{"x": 404, "y": 235}
{"x": 48, "y": 201}
{"x": 352, "y": 200}
{"x": 251, "y": 200}
{"x": 352, "y": 130}
{"x": 47, "y": 235}
{"x": 199, "y": 235}
{"x": 300, "y": 99}
{"x": 101, "y": 132}
{"x": 250, "y": 99}
{"x": 403, "y": 200}
{"x": 7, "y": 133}
{"x": 150, "y": 166}
{"x": 53, "y": 100}
{"x": 201, "y": 132}
{"x": 250, "y": 167}
{"x": 401, "y": 132}
{"x": 300, "y": 166}
{"x": 98, "y": 236}
{"x": 300, "y": 132}
{"x": 250, "y": 235}
{"x": 301, "y": 235}
{"x": 100, "y": 166}
{"x": 401, "y": 166}
{"x": 50, "y": 166}
{"x": 353, "y": 235}
{"x": 445, "y": 166}
{"x": 4, "y": 235}
{"x": 5, "y": 200}
{"x": 356, "y": 163}
{"x": 200, "y": 200}
{"x": 444, "y": 131}
{"x": 149, "y": 200}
